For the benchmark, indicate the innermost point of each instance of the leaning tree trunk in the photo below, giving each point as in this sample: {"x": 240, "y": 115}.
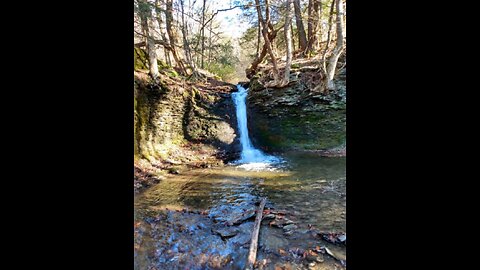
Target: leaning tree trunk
{"x": 266, "y": 38}
{"x": 250, "y": 71}
{"x": 302, "y": 38}
{"x": 258, "y": 40}
{"x": 324, "y": 65}
{"x": 270, "y": 29}
{"x": 145, "y": 14}
{"x": 332, "y": 62}
{"x": 171, "y": 35}
{"x": 166, "y": 50}
{"x": 288, "y": 43}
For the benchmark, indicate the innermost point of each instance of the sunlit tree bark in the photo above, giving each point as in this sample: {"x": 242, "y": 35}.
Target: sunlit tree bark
{"x": 147, "y": 28}
{"x": 337, "y": 51}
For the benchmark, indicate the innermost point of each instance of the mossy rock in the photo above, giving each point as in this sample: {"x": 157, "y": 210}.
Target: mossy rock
{"x": 174, "y": 170}
{"x": 172, "y": 73}
{"x": 255, "y": 85}
{"x": 140, "y": 59}
{"x": 288, "y": 131}
{"x": 162, "y": 65}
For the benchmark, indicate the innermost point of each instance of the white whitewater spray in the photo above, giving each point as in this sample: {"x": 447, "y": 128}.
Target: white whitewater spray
{"x": 250, "y": 154}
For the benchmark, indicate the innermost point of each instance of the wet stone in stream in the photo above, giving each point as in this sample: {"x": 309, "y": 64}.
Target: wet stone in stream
{"x": 193, "y": 240}
{"x": 226, "y": 232}
{"x": 188, "y": 239}
{"x": 212, "y": 214}
{"x": 232, "y": 214}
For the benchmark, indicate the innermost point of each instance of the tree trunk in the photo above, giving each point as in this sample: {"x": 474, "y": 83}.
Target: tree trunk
{"x": 293, "y": 36}
{"x": 258, "y": 40}
{"x": 186, "y": 46}
{"x": 162, "y": 32}
{"x": 266, "y": 38}
{"x": 327, "y": 44}
{"x": 309, "y": 21}
{"x": 288, "y": 43}
{"x": 167, "y": 56}
{"x": 314, "y": 13}
{"x": 302, "y": 38}
{"x": 145, "y": 15}
{"x": 270, "y": 29}
{"x": 332, "y": 63}
{"x": 203, "y": 33}
{"x": 210, "y": 44}
{"x": 171, "y": 36}
{"x": 252, "y": 254}
{"x": 253, "y": 67}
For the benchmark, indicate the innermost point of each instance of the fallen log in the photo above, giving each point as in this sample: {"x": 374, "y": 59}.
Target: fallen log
{"x": 252, "y": 255}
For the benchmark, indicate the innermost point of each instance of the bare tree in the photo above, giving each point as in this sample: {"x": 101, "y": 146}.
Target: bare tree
{"x": 259, "y": 35}
{"x": 210, "y": 43}
{"x": 266, "y": 38}
{"x": 159, "y": 10}
{"x": 203, "y": 34}
{"x": 270, "y": 28}
{"x": 314, "y": 12}
{"x": 302, "y": 38}
{"x": 250, "y": 71}
{"x": 288, "y": 43}
{"x": 186, "y": 45}
{"x": 147, "y": 28}
{"x": 171, "y": 35}
{"x": 337, "y": 51}
{"x": 293, "y": 36}
{"x": 329, "y": 31}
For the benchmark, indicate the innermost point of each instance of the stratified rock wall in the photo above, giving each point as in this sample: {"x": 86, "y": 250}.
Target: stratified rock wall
{"x": 183, "y": 123}
{"x": 296, "y": 117}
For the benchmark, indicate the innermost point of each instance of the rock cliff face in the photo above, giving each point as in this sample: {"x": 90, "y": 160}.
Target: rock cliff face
{"x": 184, "y": 124}
{"x": 296, "y": 117}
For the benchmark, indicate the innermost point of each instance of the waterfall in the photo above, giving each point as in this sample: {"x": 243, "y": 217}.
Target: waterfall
{"x": 249, "y": 153}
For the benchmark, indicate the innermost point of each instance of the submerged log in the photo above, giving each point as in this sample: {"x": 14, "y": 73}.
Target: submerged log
{"x": 252, "y": 255}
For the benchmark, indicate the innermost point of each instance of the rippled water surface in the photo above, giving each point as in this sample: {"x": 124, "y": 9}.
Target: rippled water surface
{"x": 309, "y": 188}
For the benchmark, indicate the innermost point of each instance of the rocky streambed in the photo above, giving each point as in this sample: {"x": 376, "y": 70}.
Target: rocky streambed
{"x": 203, "y": 218}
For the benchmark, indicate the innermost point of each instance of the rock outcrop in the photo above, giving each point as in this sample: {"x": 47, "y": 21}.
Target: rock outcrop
{"x": 179, "y": 123}
{"x": 296, "y": 117}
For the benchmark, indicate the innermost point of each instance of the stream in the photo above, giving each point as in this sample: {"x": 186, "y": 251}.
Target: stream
{"x": 203, "y": 218}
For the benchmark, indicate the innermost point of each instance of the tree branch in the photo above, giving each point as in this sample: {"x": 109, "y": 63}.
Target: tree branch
{"x": 156, "y": 41}
{"x": 219, "y": 10}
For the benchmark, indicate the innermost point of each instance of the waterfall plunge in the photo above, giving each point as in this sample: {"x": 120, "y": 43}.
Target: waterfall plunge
{"x": 250, "y": 156}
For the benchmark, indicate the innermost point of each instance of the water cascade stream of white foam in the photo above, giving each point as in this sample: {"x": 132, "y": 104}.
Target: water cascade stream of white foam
{"x": 251, "y": 158}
